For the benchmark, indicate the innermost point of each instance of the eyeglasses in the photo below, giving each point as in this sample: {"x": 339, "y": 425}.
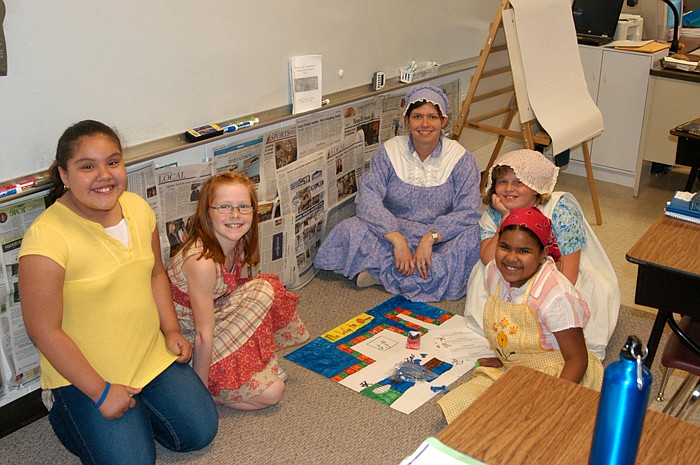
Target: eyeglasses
{"x": 228, "y": 209}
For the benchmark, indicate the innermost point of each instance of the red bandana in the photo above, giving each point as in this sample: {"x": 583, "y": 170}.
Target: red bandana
{"x": 534, "y": 220}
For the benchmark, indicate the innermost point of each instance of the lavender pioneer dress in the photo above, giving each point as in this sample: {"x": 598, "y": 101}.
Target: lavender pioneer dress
{"x": 401, "y": 193}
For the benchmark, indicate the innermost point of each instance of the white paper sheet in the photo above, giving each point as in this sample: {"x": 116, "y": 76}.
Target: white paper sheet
{"x": 306, "y": 78}
{"x": 553, "y": 73}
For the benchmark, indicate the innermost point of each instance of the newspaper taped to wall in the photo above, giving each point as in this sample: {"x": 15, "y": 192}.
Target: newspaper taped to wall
{"x": 178, "y": 189}
{"x": 451, "y": 90}
{"x": 279, "y": 151}
{"x": 142, "y": 181}
{"x": 393, "y": 106}
{"x": 339, "y": 212}
{"x": 274, "y": 249}
{"x": 20, "y": 357}
{"x": 318, "y": 131}
{"x": 344, "y": 167}
{"x": 302, "y": 188}
{"x": 241, "y": 157}
{"x": 364, "y": 116}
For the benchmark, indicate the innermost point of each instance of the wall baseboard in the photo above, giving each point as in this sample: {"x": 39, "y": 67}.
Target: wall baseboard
{"x": 21, "y": 412}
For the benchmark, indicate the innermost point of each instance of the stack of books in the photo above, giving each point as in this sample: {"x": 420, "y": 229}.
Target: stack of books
{"x": 684, "y": 206}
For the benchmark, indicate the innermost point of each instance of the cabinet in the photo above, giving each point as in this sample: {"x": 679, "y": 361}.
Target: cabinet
{"x": 673, "y": 98}
{"x": 617, "y": 81}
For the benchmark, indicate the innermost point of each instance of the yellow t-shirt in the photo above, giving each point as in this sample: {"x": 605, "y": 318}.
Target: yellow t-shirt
{"x": 108, "y": 305}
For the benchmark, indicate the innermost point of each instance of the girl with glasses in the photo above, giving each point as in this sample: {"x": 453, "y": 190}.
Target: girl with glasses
{"x": 236, "y": 323}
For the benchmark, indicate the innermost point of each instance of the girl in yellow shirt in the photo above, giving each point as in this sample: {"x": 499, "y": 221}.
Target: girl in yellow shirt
{"x": 96, "y": 302}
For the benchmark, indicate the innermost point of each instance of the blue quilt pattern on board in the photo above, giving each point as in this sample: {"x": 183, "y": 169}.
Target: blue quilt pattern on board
{"x": 325, "y": 358}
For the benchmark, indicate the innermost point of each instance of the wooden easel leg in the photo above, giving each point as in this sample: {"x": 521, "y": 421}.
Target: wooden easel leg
{"x": 494, "y": 155}
{"x": 499, "y": 144}
{"x": 527, "y": 136}
{"x": 484, "y": 55}
{"x": 591, "y": 182}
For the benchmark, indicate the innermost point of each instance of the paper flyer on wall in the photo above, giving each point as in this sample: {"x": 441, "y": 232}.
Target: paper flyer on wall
{"x": 306, "y": 78}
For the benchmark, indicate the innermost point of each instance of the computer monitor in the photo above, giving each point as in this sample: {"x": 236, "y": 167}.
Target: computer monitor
{"x": 596, "y": 17}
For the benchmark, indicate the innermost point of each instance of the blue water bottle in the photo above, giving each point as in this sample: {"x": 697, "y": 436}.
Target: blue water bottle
{"x": 623, "y": 404}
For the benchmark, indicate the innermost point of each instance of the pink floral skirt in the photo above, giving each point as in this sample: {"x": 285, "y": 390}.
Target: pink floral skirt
{"x": 251, "y": 326}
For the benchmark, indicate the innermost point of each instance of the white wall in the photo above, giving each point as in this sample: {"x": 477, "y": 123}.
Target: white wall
{"x": 159, "y": 67}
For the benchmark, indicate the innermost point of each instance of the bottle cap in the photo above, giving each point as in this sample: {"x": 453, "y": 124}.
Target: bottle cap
{"x": 634, "y": 349}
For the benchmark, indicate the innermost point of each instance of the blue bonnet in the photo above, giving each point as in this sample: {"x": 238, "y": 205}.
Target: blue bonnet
{"x": 427, "y": 93}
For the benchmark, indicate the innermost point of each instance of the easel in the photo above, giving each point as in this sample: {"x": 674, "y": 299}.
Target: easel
{"x": 519, "y": 104}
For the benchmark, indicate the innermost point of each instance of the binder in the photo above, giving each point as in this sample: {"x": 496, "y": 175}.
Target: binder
{"x": 680, "y": 216}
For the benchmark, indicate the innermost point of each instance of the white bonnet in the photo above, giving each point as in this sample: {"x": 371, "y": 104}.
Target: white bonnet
{"x": 531, "y": 167}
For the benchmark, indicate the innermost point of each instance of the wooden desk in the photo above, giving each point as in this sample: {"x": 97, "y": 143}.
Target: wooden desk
{"x": 668, "y": 278}
{"x": 528, "y": 417}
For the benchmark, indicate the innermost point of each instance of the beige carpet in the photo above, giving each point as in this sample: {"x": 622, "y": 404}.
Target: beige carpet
{"x": 318, "y": 422}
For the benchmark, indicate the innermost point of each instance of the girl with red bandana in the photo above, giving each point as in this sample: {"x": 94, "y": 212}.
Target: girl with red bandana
{"x": 534, "y": 315}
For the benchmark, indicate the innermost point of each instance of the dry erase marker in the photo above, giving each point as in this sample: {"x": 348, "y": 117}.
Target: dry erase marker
{"x": 27, "y": 184}
{"x": 241, "y": 125}
{"x": 17, "y": 188}
{"x": 9, "y": 191}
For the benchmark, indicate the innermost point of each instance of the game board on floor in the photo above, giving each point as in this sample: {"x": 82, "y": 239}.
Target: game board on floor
{"x": 363, "y": 353}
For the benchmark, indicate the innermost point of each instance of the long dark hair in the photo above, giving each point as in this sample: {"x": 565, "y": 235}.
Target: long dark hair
{"x": 68, "y": 145}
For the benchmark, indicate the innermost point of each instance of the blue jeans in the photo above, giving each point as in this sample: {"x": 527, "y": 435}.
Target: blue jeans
{"x": 175, "y": 408}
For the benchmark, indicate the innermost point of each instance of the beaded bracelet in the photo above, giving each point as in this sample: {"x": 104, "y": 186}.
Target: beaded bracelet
{"x": 104, "y": 395}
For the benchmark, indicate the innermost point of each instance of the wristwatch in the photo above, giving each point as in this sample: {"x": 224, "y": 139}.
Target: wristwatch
{"x": 434, "y": 234}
